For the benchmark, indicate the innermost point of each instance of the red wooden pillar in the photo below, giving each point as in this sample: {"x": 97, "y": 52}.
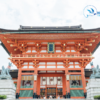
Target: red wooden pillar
{"x": 67, "y": 84}
{"x": 68, "y": 88}
{"x": 64, "y": 84}
{"x": 56, "y": 91}
{"x": 18, "y": 83}
{"x": 38, "y": 85}
{"x": 35, "y": 84}
{"x": 83, "y": 81}
{"x": 46, "y": 90}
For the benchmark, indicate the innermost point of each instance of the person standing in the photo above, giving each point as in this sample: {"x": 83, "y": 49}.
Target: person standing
{"x": 58, "y": 97}
{"x": 44, "y": 97}
{"x": 50, "y": 96}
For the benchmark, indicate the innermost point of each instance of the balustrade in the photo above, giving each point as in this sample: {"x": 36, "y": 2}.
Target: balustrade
{"x": 51, "y": 55}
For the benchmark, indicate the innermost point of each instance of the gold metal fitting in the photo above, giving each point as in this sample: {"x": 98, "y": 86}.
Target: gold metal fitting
{"x": 8, "y": 41}
{"x": 5, "y": 38}
{"x": 79, "y": 44}
{"x": 11, "y": 45}
{"x": 22, "y": 44}
{"x": 90, "y": 44}
{"x": 93, "y": 41}
{"x": 37, "y": 44}
{"x": 14, "y": 49}
{"x": 64, "y": 44}
{"x": 86, "y": 48}
{"x": 96, "y": 36}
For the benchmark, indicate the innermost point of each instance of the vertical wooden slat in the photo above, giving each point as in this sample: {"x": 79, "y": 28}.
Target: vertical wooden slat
{"x": 25, "y": 77}
{"x": 77, "y": 78}
{"x": 22, "y": 78}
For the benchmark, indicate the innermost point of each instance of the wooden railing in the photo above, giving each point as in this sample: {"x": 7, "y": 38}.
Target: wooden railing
{"x": 51, "y": 55}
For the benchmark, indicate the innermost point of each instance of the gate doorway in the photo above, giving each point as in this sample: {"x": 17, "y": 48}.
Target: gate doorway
{"x": 51, "y": 91}
{"x": 51, "y": 85}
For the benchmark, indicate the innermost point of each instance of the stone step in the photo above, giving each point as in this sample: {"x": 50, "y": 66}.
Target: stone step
{"x": 45, "y": 99}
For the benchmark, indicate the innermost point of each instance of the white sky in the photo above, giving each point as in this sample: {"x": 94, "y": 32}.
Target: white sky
{"x": 14, "y": 13}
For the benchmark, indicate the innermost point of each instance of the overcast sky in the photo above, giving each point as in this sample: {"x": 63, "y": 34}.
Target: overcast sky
{"x": 14, "y": 13}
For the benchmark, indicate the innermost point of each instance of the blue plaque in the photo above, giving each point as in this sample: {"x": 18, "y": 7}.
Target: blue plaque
{"x": 51, "y": 47}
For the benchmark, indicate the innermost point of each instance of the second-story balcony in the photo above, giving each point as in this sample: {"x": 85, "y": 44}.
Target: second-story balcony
{"x": 51, "y": 56}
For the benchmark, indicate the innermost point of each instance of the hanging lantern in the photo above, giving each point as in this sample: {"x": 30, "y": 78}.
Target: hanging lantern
{"x": 35, "y": 77}
{"x": 67, "y": 77}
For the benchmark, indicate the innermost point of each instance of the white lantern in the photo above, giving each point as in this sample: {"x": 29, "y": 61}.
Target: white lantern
{"x": 35, "y": 77}
{"x": 67, "y": 77}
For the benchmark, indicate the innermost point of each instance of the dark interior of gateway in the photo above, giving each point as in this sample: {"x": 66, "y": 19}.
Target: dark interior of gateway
{"x": 51, "y": 92}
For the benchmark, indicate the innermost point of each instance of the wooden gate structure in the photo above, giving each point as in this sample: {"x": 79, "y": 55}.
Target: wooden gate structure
{"x": 50, "y": 60}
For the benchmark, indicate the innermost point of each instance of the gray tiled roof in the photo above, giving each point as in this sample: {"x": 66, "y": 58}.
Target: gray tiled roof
{"x": 61, "y": 28}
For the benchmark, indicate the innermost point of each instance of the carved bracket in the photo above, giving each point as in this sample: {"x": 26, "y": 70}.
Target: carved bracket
{"x": 38, "y": 45}
{"x": 79, "y": 46}
{"x": 84, "y": 62}
{"x": 22, "y": 46}
{"x": 35, "y": 63}
{"x": 83, "y": 45}
{"x": 18, "y": 45}
{"x": 66, "y": 63}
{"x": 18, "y": 63}
{"x": 63, "y": 45}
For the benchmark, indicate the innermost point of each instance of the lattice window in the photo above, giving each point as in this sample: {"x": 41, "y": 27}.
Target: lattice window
{"x": 27, "y": 81}
{"x": 75, "y": 81}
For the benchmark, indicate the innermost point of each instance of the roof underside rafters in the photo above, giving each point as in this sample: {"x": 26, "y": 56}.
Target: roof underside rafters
{"x": 66, "y": 33}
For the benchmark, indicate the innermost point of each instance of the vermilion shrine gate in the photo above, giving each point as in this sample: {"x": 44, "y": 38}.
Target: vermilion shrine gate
{"x": 50, "y": 60}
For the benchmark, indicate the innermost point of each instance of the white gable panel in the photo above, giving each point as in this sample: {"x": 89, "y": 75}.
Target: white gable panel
{"x": 41, "y": 67}
{"x": 58, "y": 51}
{"x": 33, "y": 50}
{"x": 76, "y": 62}
{"x": 77, "y": 66}
{"x": 28, "y": 51}
{"x": 51, "y": 63}
{"x": 43, "y": 50}
{"x": 60, "y": 63}
{"x": 51, "y": 66}
{"x": 41, "y": 62}
{"x": 25, "y": 63}
{"x": 31, "y": 67}
{"x": 50, "y": 71}
{"x": 73, "y": 51}
{"x": 60, "y": 66}
{"x": 30, "y": 62}
{"x": 25, "y": 67}
{"x": 70, "y": 62}
{"x": 71, "y": 67}
{"x": 67, "y": 50}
